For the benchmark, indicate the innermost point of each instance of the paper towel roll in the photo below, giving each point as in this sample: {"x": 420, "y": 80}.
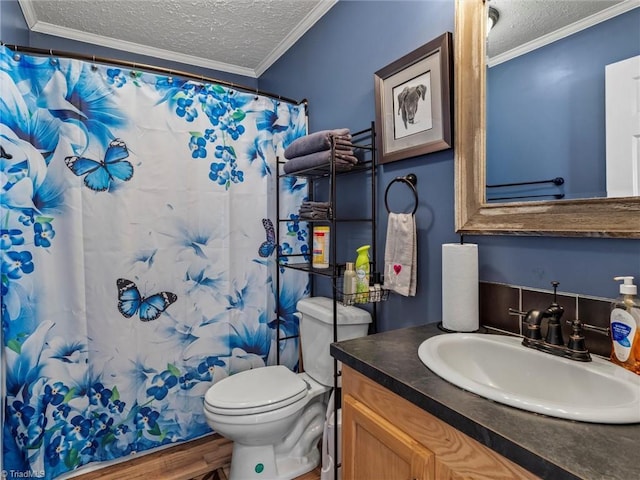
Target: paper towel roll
{"x": 460, "y": 311}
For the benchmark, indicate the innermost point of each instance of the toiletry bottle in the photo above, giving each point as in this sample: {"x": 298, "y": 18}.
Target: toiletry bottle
{"x": 377, "y": 286}
{"x": 625, "y": 323}
{"x": 375, "y": 290}
{"x": 349, "y": 284}
{"x": 362, "y": 274}
{"x": 372, "y": 290}
{"x": 320, "y": 257}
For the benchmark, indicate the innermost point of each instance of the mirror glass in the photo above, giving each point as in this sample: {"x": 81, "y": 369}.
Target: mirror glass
{"x": 547, "y": 108}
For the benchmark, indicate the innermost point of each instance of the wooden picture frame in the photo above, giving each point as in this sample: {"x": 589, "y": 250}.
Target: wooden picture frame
{"x": 595, "y": 217}
{"x": 413, "y": 102}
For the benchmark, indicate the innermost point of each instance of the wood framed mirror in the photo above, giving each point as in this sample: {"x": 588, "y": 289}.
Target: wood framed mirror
{"x": 597, "y": 217}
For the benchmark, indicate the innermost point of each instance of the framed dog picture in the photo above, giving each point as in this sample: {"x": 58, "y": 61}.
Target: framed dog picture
{"x": 413, "y": 102}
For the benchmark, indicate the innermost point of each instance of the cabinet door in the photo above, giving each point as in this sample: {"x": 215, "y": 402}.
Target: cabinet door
{"x": 373, "y": 448}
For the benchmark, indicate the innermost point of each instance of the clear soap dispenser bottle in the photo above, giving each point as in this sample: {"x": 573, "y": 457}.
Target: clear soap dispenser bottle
{"x": 625, "y": 326}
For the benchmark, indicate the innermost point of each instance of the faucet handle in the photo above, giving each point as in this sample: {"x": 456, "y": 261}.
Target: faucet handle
{"x": 576, "y": 346}
{"x": 532, "y": 320}
{"x": 576, "y": 339}
{"x": 591, "y": 328}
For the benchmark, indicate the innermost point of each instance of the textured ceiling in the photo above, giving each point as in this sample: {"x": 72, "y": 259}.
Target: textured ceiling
{"x": 523, "y": 21}
{"x": 245, "y": 37}
{"x": 237, "y": 36}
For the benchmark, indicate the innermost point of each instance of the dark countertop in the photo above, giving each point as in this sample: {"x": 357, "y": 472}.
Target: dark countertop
{"x": 550, "y": 448}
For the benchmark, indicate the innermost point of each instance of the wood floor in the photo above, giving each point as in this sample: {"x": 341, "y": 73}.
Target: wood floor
{"x": 223, "y": 474}
{"x": 207, "y": 458}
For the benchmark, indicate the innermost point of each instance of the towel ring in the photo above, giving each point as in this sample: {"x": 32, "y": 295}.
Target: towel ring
{"x": 410, "y": 180}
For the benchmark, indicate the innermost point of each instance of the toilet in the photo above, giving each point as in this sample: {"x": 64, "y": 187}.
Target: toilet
{"x": 276, "y": 417}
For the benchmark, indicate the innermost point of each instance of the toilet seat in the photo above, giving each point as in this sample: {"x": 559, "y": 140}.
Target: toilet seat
{"x": 256, "y": 391}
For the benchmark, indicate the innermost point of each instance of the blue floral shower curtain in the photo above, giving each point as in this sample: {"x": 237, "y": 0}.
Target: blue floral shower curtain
{"x": 138, "y": 265}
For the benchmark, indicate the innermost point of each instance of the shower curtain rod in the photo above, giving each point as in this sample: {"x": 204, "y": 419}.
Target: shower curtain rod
{"x": 152, "y": 68}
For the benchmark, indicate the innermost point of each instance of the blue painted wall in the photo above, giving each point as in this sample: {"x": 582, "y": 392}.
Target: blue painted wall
{"x": 333, "y": 66}
{"x": 546, "y": 113}
{"x": 13, "y": 28}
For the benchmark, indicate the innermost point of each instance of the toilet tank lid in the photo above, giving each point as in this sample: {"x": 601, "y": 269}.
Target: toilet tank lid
{"x": 322, "y": 309}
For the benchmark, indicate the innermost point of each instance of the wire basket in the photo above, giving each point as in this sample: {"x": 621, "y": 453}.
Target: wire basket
{"x": 374, "y": 295}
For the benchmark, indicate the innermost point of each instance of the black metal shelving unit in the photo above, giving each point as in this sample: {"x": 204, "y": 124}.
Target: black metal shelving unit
{"x": 364, "y": 146}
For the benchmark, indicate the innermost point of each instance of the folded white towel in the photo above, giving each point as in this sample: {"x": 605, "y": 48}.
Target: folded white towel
{"x": 400, "y": 255}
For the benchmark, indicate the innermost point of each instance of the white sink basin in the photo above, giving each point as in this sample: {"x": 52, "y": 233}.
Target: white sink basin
{"x": 499, "y": 368}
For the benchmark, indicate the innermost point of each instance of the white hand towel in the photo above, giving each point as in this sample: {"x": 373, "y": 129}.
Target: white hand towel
{"x": 400, "y": 254}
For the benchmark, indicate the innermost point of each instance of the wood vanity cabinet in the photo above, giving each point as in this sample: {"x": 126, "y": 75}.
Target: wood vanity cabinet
{"x": 378, "y": 449}
{"x": 385, "y": 437}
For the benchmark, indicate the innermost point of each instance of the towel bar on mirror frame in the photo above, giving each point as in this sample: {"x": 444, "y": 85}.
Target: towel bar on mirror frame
{"x": 556, "y": 181}
{"x": 410, "y": 180}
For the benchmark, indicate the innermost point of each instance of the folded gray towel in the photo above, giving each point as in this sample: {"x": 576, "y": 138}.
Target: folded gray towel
{"x": 318, "y": 159}
{"x": 310, "y": 203}
{"x": 343, "y": 144}
{"x": 347, "y": 157}
{"x": 316, "y": 142}
{"x": 313, "y": 207}
{"x": 312, "y": 210}
{"x": 314, "y": 216}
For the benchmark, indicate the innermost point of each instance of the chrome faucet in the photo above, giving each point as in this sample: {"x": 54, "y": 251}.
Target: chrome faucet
{"x": 553, "y": 342}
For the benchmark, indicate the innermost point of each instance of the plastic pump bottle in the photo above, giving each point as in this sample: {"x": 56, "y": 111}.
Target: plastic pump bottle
{"x": 625, "y": 326}
{"x": 362, "y": 274}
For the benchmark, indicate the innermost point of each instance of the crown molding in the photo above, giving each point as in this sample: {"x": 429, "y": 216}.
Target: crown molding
{"x": 590, "y": 21}
{"x": 312, "y": 17}
{"x": 47, "y": 28}
{"x": 28, "y": 11}
{"x": 80, "y": 36}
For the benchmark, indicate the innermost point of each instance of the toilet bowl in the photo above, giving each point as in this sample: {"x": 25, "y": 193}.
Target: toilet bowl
{"x": 274, "y": 416}
{"x": 276, "y": 425}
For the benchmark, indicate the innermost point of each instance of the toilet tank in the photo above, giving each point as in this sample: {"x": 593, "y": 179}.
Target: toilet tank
{"x": 316, "y": 333}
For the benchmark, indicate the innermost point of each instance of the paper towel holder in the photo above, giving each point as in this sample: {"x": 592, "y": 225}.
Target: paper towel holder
{"x": 481, "y": 329}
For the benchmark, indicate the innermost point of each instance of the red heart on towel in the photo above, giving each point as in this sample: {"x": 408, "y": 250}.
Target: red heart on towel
{"x": 397, "y": 268}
